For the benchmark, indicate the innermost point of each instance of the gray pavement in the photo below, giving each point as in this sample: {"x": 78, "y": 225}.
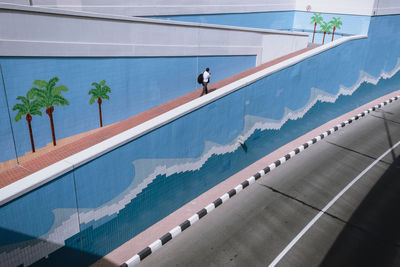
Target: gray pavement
{"x": 362, "y": 228}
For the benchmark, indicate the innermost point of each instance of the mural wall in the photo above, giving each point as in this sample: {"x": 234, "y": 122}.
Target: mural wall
{"x": 107, "y": 201}
{"x": 137, "y": 84}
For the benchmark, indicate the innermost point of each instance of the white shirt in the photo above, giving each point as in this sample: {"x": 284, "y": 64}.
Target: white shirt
{"x": 206, "y": 76}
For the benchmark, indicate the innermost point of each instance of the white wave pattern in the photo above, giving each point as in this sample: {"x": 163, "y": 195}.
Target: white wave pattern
{"x": 64, "y": 229}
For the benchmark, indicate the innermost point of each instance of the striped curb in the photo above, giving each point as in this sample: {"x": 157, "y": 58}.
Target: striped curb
{"x": 224, "y": 198}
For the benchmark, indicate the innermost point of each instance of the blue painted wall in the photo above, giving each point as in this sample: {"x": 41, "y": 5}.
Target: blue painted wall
{"x": 352, "y": 25}
{"x": 166, "y": 168}
{"x": 137, "y": 84}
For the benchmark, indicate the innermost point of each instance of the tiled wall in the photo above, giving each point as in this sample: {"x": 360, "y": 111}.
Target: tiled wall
{"x": 137, "y": 84}
{"x": 126, "y": 190}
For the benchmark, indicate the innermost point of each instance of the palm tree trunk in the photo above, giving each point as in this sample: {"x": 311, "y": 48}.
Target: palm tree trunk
{"x": 315, "y": 25}
{"x": 29, "y": 119}
{"x": 101, "y": 120}
{"x": 49, "y": 112}
{"x": 333, "y": 33}
{"x": 323, "y": 40}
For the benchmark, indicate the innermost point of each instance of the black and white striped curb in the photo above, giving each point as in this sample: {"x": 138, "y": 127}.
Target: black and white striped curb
{"x": 203, "y": 212}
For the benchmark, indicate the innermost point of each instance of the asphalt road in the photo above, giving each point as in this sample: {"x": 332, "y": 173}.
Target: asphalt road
{"x": 360, "y": 228}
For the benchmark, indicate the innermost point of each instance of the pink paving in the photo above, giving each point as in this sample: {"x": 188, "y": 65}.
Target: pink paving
{"x": 151, "y": 234}
{"x": 17, "y": 172}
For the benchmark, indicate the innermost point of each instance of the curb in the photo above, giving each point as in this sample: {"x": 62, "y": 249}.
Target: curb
{"x": 210, "y": 207}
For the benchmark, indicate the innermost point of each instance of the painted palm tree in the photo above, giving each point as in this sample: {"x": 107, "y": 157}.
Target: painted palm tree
{"x": 336, "y": 23}
{"x": 99, "y": 92}
{"x": 316, "y": 19}
{"x": 326, "y": 28}
{"x": 49, "y": 95}
{"x": 28, "y": 108}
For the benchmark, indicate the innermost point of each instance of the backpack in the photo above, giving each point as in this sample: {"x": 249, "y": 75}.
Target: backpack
{"x": 200, "y": 78}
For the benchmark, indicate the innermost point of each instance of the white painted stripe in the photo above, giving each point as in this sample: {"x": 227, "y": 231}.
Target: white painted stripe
{"x": 238, "y": 188}
{"x": 282, "y": 160}
{"x": 193, "y": 219}
{"x": 133, "y": 261}
{"x": 325, "y": 134}
{"x": 332, "y": 130}
{"x": 261, "y": 172}
{"x": 318, "y": 138}
{"x": 210, "y": 207}
{"x": 292, "y": 154}
{"x": 251, "y": 180}
{"x": 272, "y": 166}
{"x": 301, "y": 148}
{"x": 225, "y": 197}
{"x": 311, "y": 223}
{"x": 155, "y": 245}
{"x": 309, "y": 143}
{"x": 176, "y": 231}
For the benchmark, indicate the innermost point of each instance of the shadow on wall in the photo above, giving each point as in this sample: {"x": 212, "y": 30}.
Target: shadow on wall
{"x": 64, "y": 256}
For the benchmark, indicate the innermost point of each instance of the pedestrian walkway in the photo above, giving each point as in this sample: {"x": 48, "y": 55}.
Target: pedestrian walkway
{"x": 13, "y": 171}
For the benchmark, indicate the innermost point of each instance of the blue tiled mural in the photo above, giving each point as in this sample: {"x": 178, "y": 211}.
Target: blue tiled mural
{"x": 107, "y": 201}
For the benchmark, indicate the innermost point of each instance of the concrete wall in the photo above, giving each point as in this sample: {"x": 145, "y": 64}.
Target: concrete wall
{"x": 135, "y": 56}
{"x": 121, "y": 192}
{"x": 43, "y": 32}
{"x": 297, "y": 21}
{"x": 386, "y": 7}
{"x": 279, "y": 20}
{"x": 355, "y": 7}
{"x": 181, "y": 7}
{"x": 172, "y": 7}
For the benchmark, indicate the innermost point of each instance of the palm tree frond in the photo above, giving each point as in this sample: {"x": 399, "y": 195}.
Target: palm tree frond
{"x": 40, "y": 83}
{"x": 59, "y": 89}
{"x": 92, "y": 92}
{"x": 30, "y": 94}
{"x": 36, "y": 112}
{"x": 91, "y": 101}
{"x": 107, "y": 89}
{"x": 20, "y": 108}
{"x": 18, "y": 116}
{"x": 60, "y": 100}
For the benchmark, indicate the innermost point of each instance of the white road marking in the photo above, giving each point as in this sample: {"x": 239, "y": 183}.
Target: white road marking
{"x": 310, "y": 224}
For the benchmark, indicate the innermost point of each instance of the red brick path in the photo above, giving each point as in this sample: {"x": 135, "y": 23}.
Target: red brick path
{"x": 17, "y": 172}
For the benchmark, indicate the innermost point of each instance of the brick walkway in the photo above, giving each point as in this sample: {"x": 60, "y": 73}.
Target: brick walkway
{"x": 14, "y": 172}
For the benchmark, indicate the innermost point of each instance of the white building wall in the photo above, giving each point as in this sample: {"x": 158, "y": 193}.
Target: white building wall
{"x": 170, "y": 7}
{"x": 354, "y": 7}
{"x": 186, "y": 7}
{"x": 45, "y": 32}
{"x": 386, "y": 7}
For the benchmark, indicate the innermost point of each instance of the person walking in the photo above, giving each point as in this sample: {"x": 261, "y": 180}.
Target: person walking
{"x": 206, "y": 80}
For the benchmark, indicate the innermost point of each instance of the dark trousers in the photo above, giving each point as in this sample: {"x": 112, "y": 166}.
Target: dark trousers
{"x": 205, "y": 89}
